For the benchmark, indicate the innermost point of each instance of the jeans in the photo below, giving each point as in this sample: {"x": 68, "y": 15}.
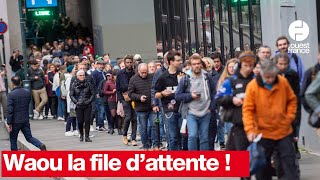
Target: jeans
{"x": 129, "y": 116}
{"x": 101, "y": 111}
{"x": 71, "y": 121}
{"x": 26, "y": 130}
{"x": 287, "y": 156}
{"x": 220, "y": 132}
{"x": 60, "y": 107}
{"x": 198, "y": 129}
{"x": 174, "y": 121}
{"x": 143, "y": 119}
{"x": 227, "y": 127}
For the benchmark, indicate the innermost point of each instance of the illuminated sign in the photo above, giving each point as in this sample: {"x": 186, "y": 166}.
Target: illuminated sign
{"x": 41, "y": 3}
{"x": 43, "y": 13}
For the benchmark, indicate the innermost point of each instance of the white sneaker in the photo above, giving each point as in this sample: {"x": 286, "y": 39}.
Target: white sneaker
{"x": 97, "y": 128}
{"x": 105, "y": 121}
{"x": 60, "y": 119}
{"x": 92, "y": 128}
{"x": 40, "y": 117}
{"x": 75, "y": 133}
{"x": 35, "y": 113}
{"x": 69, "y": 133}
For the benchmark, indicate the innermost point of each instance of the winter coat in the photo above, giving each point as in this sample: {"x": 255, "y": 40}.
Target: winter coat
{"x": 270, "y": 112}
{"x": 82, "y": 93}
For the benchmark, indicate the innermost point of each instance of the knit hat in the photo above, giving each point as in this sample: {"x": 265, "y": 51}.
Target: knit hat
{"x": 70, "y": 68}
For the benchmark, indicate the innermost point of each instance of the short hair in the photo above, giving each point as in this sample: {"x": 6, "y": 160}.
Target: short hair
{"x": 248, "y": 57}
{"x": 128, "y": 57}
{"x": 263, "y": 46}
{"x": 195, "y": 56}
{"x": 172, "y": 54}
{"x": 215, "y": 55}
{"x": 37, "y": 55}
{"x": 269, "y": 67}
{"x": 80, "y": 71}
{"x": 281, "y": 38}
{"x": 16, "y": 80}
{"x": 141, "y": 65}
{"x": 281, "y": 55}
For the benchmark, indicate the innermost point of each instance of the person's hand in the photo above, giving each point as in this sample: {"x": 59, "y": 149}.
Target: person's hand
{"x": 36, "y": 77}
{"x": 98, "y": 96}
{"x": 114, "y": 91}
{"x": 166, "y": 93}
{"x": 143, "y": 98}
{"x": 194, "y": 95}
{"x": 237, "y": 101}
{"x": 63, "y": 97}
{"x": 155, "y": 109}
{"x": 251, "y": 137}
{"x": 9, "y": 127}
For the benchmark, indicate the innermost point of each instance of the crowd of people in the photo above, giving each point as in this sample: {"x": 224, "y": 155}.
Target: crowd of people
{"x": 188, "y": 104}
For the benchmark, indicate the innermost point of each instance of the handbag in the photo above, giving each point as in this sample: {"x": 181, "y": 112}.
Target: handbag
{"x": 226, "y": 114}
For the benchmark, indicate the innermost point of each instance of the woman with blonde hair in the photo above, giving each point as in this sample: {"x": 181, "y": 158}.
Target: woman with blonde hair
{"x": 224, "y": 127}
{"x": 227, "y": 72}
{"x": 209, "y": 64}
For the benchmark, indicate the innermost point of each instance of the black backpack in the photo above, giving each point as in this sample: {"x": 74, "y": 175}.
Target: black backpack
{"x": 101, "y": 87}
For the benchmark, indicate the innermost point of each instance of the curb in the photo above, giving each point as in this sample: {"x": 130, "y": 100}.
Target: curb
{"x": 24, "y": 145}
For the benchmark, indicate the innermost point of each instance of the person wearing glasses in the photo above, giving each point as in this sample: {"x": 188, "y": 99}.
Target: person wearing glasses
{"x": 82, "y": 95}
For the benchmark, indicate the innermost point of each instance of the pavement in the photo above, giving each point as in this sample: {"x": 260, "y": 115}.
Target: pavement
{"x": 51, "y": 132}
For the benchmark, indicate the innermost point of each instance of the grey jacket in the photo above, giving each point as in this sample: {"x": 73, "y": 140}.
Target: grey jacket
{"x": 312, "y": 94}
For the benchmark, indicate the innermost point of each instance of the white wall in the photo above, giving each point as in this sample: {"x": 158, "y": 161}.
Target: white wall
{"x": 124, "y": 27}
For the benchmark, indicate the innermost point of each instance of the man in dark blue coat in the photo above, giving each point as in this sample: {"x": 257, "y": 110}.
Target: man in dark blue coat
{"x": 18, "y": 115}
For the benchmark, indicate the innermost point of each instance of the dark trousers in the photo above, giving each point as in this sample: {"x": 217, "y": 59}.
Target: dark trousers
{"x": 83, "y": 117}
{"x": 71, "y": 121}
{"x": 285, "y": 148}
{"x": 237, "y": 139}
{"x": 212, "y": 131}
{"x": 26, "y": 130}
{"x": 52, "y": 104}
{"x": 129, "y": 116}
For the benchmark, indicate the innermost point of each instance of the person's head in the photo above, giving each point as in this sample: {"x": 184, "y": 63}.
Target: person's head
{"x": 264, "y": 52}
{"x": 108, "y": 67}
{"x": 209, "y": 63}
{"x": 247, "y": 62}
{"x": 34, "y": 64}
{"x": 83, "y": 67}
{"x": 257, "y": 69}
{"x": 52, "y": 67}
{"x": 37, "y": 56}
{"x": 230, "y": 66}
{"x": 282, "y": 61}
{"x": 106, "y": 58}
{"x": 16, "y": 52}
{"x": 76, "y": 58}
{"x": 16, "y": 81}
{"x": 81, "y": 75}
{"x": 143, "y": 70}
{"x": 109, "y": 75}
{"x": 195, "y": 61}
{"x": 152, "y": 67}
{"x": 282, "y": 43}
{"x": 174, "y": 58}
{"x": 216, "y": 57}
{"x": 268, "y": 72}
{"x": 128, "y": 62}
{"x": 100, "y": 65}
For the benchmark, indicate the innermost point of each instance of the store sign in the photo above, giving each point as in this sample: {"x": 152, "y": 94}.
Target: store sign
{"x": 41, "y": 3}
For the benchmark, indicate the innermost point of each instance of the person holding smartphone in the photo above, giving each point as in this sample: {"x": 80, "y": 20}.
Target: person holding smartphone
{"x": 15, "y": 60}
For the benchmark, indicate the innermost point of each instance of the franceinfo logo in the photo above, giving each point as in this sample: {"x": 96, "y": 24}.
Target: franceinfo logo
{"x": 299, "y": 31}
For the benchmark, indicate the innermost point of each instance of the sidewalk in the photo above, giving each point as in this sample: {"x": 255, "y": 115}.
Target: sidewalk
{"x": 51, "y": 132}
